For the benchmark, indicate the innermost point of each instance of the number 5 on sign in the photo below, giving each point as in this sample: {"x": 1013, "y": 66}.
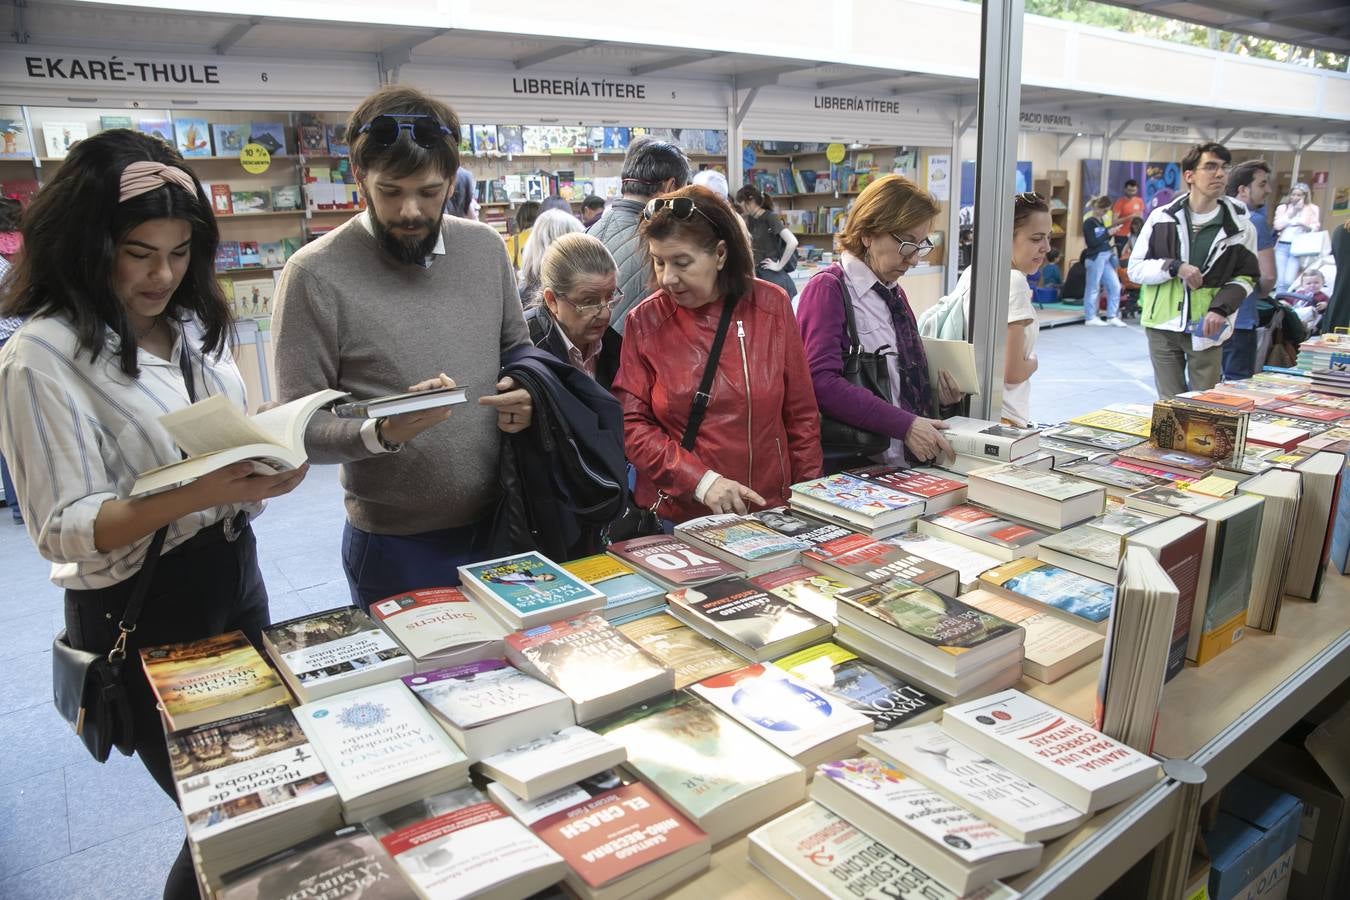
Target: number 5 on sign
{"x": 255, "y": 159}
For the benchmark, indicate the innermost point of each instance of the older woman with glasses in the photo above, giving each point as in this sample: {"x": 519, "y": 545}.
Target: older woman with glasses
{"x": 718, "y": 411}
{"x": 886, "y": 233}
{"x": 572, "y": 309}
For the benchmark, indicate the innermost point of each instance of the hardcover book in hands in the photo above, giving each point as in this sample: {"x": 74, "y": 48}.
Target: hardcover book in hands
{"x": 215, "y": 434}
{"x": 397, "y": 404}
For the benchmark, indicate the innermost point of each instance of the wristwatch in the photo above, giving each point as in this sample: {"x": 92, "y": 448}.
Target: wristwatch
{"x": 1173, "y": 266}
{"x": 387, "y": 444}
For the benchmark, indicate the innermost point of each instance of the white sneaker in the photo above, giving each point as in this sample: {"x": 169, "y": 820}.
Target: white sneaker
{"x": 1116, "y": 321}
{"x": 1095, "y": 321}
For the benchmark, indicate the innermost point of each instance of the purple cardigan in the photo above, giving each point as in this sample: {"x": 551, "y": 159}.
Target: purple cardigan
{"x": 820, "y": 316}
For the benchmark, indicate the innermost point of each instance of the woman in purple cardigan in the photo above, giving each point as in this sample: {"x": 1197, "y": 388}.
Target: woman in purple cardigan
{"x": 886, "y": 233}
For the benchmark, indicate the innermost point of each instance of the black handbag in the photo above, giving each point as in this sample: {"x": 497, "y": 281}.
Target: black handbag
{"x": 866, "y": 369}
{"x": 87, "y": 688}
{"x": 637, "y": 521}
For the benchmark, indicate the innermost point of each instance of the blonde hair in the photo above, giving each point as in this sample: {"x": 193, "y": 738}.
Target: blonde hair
{"x": 890, "y": 205}
{"x": 570, "y": 257}
{"x": 546, "y": 229}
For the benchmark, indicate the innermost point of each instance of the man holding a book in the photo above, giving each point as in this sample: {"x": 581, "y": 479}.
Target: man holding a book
{"x": 394, "y": 295}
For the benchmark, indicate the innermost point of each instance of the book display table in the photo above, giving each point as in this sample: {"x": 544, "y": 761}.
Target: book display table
{"x": 1219, "y": 716}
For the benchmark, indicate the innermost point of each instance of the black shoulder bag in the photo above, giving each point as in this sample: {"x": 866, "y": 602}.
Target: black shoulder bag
{"x": 867, "y": 370}
{"x": 638, "y": 522}
{"x": 87, "y": 688}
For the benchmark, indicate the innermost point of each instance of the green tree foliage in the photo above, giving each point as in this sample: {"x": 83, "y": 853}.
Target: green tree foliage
{"x": 1118, "y": 18}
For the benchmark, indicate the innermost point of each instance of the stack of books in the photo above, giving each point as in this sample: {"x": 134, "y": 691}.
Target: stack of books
{"x": 937, "y": 490}
{"x": 1075, "y": 598}
{"x": 1049, "y": 499}
{"x": 209, "y": 680}
{"x": 382, "y": 749}
{"x": 860, "y": 560}
{"x": 967, "y": 562}
{"x": 748, "y": 620}
{"x": 1053, "y": 647}
{"x": 670, "y": 562}
{"x": 440, "y": 627}
{"x": 863, "y": 506}
{"x": 984, "y": 531}
{"x": 348, "y": 855}
{"x": 743, "y": 541}
{"x": 553, "y": 762}
{"x": 329, "y": 652}
{"x": 947, "y": 647}
{"x": 680, "y": 648}
{"x": 528, "y": 589}
{"x": 626, "y": 592}
{"x": 889, "y": 701}
{"x": 979, "y": 443}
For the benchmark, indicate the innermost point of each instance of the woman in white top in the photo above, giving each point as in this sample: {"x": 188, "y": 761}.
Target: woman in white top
{"x": 1296, "y": 215}
{"x": 125, "y": 322}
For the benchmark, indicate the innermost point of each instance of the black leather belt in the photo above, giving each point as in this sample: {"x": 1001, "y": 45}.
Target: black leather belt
{"x": 226, "y": 531}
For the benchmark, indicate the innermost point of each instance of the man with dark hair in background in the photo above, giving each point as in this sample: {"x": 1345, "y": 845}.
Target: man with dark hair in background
{"x": 1128, "y": 207}
{"x": 650, "y": 168}
{"x": 387, "y": 302}
{"x": 1194, "y": 262}
{"x": 1249, "y": 183}
{"x": 592, "y": 208}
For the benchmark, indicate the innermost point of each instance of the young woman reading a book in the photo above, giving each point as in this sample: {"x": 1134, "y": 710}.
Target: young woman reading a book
{"x": 760, "y": 429}
{"x": 886, "y": 233}
{"x": 125, "y": 322}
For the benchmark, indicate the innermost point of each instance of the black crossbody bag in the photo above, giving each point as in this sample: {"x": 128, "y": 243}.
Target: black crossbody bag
{"x": 865, "y": 369}
{"x": 88, "y": 689}
{"x": 638, "y": 522}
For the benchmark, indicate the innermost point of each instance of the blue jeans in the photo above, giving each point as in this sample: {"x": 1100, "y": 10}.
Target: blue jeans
{"x": 1239, "y": 354}
{"x": 382, "y": 565}
{"x": 10, "y": 496}
{"x": 1287, "y": 267}
{"x": 1100, "y": 272}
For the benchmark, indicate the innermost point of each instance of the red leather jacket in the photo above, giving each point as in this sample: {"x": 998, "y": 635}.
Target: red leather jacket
{"x": 768, "y": 442}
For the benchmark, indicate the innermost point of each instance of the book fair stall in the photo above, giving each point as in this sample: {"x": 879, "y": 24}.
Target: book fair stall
{"x": 1055, "y": 665}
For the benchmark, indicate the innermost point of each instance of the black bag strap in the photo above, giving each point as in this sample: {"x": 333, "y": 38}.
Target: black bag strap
{"x": 704, "y": 396}
{"x": 146, "y": 575}
{"x": 850, "y": 322}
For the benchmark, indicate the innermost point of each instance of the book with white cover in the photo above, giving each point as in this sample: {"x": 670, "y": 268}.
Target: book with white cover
{"x": 1054, "y": 751}
{"x": 965, "y": 560}
{"x": 337, "y": 650}
{"x": 710, "y": 768}
{"x": 932, "y": 756}
{"x": 440, "y": 627}
{"x": 490, "y": 706}
{"x": 553, "y": 762}
{"x": 955, "y": 846}
{"x": 812, "y": 853}
{"x": 798, "y": 719}
{"x": 1045, "y": 498}
{"x": 378, "y": 738}
{"x": 460, "y": 844}
{"x": 214, "y": 433}
{"x": 991, "y": 440}
{"x": 1053, "y": 648}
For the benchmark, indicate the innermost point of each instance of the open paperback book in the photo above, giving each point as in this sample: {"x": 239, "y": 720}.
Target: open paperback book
{"x": 214, "y": 434}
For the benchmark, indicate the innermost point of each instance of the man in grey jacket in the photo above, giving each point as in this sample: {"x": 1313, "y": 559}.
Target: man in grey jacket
{"x": 652, "y": 167}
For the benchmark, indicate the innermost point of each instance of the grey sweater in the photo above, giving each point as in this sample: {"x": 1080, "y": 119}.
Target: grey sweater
{"x": 350, "y": 317}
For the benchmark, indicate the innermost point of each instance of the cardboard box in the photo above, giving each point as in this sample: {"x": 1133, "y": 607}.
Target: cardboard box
{"x": 1320, "y": 862}
{"x": 1197, "y": 882}
{"x": 1251, "y": 846}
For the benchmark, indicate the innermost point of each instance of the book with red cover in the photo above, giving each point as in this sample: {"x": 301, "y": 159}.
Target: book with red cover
{"x": 1315, "y": 413}
{"x": 1180, "y": 559}
{"x": 1220, "y": 398}
{"x": 859, "y": 556}
{"x": 672, "y": 562}
{"x": 1130, "y": 465}
{"x": 613, "y": 834}
{"x": 222, "y": 203}
{"x": 934, "y": 489}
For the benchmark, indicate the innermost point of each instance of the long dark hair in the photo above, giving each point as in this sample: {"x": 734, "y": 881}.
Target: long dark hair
{"x": 756, "y": 196}
{"x": 717, "y": 222}
{"x": 71, "y": 232}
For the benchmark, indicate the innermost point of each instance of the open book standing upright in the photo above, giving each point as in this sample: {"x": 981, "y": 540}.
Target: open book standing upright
{"x": 213, "y": 433}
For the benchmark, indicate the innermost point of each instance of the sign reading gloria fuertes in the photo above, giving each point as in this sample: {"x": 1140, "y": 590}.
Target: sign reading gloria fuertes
{"x": 115, "y": 70}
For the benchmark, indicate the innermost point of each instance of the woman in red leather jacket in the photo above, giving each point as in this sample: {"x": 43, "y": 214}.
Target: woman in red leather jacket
{"x": 761, "y": 432}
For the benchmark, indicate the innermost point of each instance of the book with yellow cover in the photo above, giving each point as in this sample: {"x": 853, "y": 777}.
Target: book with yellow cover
{"x": 211, "y": 679}
{"x": 1110, "y": 420}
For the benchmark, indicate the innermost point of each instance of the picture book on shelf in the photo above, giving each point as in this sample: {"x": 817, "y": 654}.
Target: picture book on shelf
{"x": 59, "y": 137}
{"x": 160, "y": 128}
{"x": 247, "y": 202}
{"x": 271, "y": 136}
{"x": 192, "y": 137}
{"x": 107, "y": 123}
{"x": 510, "y": 140}
{"x": 485, "y": 139}
{"x": 229, "y": 139}
{"x": 336, "y": 133}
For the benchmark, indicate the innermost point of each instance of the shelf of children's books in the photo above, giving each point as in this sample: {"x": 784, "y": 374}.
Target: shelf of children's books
{"x": 815, "y": 195}
{"x": 263, "y": 213}
{"x": 248, "y": 270}
{"x": 337, "y": 212}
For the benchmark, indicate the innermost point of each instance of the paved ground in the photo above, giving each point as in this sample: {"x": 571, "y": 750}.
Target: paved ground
{"x": 70, "y": 827}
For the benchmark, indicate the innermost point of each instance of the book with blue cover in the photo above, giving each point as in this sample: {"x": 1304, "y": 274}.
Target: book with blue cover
{"x": 228, "y": 138}
{"x": 625, "y": 590}
{"x": 192, "y": 137}
{"x": 529, "y": 589}
{"x": 1074, "y": 597}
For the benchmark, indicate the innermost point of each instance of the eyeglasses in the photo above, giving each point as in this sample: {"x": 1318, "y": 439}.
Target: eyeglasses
{"x": 426, "y": 131}
{"x": 1212, "y": 167}
{"x": 594, "y": 310}
{"x": 911, "y": 250}
{"x": 682, "y": 208}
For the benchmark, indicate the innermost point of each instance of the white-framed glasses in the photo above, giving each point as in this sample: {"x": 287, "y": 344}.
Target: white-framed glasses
{"x": 911, "y": 250}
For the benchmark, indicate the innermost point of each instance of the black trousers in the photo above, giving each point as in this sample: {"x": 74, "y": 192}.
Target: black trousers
{"x": 204, "y": 587}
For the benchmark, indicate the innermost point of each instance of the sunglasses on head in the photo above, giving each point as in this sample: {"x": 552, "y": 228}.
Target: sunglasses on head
{"x": 1030, "y": 197}
{"x": 682, "y": 208}
{"x": 424, "y": 130}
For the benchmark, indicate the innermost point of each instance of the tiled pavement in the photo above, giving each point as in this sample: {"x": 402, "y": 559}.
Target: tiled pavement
{"x": 72, "y": 828}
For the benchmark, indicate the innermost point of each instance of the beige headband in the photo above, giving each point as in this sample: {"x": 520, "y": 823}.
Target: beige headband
{"x": 144, "y": 176}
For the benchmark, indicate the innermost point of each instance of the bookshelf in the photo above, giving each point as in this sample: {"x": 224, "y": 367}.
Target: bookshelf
{"x": 1054, "y": 187}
